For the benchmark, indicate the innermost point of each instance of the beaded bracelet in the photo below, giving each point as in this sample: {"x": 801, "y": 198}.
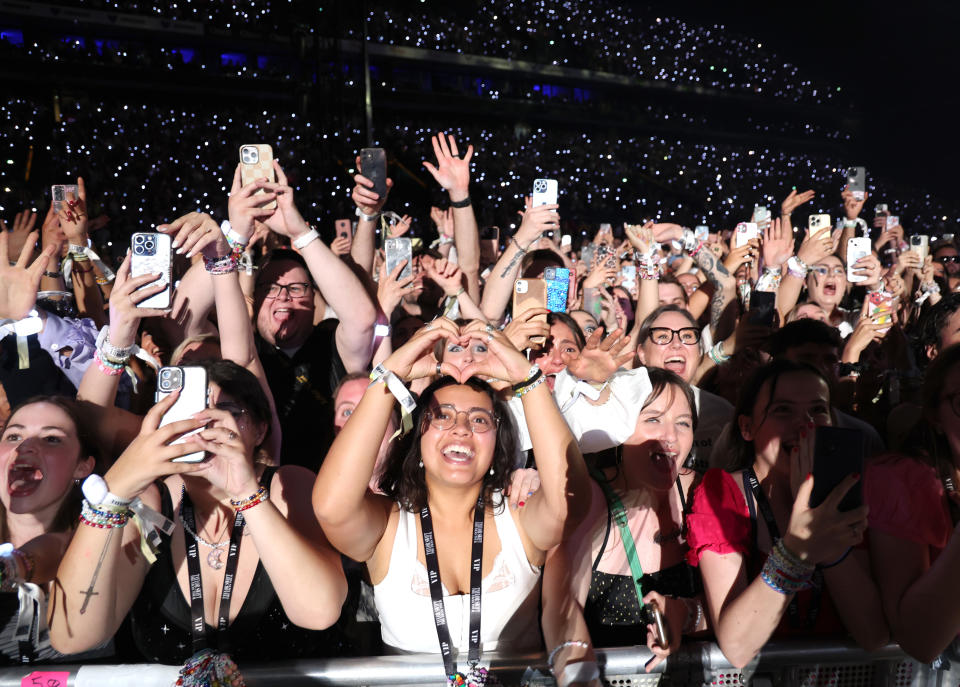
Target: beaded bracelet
{"x": 560, "y": 647}
{"x": 648, "y": 267}
{"x": 224, "y": 265}
{"x": 103, "y": 517}
{"x": 532, "y": 376}
{"x": 520, "y": 393}
{"x": 107, "y": 367}
{"x": 717, "y": 354}
{"x": 259, "y": 497}
{"x": 783, "y": 572}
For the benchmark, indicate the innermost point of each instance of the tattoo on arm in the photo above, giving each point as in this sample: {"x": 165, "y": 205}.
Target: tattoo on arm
{"x": 710, "y": 265}
{"x": 717, "y": 305}
{"x": 510, "y": 265}
{"x": 96, "y": 573}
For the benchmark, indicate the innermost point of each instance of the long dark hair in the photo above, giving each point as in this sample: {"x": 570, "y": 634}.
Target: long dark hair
{"x": 403, "y": 478}
{"x": 930, "y": 443}
{"x": 744, "y": 451}
{"x": 69, "y": 512}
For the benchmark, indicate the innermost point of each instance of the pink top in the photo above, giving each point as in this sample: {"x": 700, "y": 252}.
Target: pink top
{"x": 907, "y": 500}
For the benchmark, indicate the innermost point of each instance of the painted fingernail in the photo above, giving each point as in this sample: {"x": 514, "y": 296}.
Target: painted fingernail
{"x": 529, "y": 494}
{"x": 520, "y": 504}
{"x": 809, "y": 475}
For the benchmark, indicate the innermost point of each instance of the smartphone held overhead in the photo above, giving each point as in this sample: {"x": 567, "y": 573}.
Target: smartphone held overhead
{"x": 152, "y": 253}
{"x": 256, "y": 162}
{"x": 191, "y": 382}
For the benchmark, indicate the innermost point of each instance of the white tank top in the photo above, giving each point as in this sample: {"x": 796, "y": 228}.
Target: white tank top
{"x": 509, "y": 599}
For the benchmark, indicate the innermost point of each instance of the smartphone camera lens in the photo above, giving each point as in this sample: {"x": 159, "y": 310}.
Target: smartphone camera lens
{"x": 138, "y": 250}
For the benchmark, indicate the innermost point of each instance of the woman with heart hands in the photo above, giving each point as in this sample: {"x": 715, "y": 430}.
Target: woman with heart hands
{"x": 443, "y": 489}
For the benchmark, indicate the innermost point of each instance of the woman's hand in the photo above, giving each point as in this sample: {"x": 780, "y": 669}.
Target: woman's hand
{"x": 197, "y": 232}
{"x": 536, "y": 222}
{"x": 19, "y": 283}
{"x": 816, "y": 248}
{"x": 149, "y": 456}
{"x": 865, "y": 333}
{"x": 908, "y": 260}
{"x": 50, "y": 233}
{"x": 640, "y": 237}
{"x": 229, "y": 463}
{"x": 823, "y": 534}
{"x": 446, "y": 275}
{"x": 795, "y": 200}
{"x": 870, "y": 267}
{"x": 777, "y": 244}
{"x": 127, "y": 292}
{"x": 744, "y": 254}
{"x": 599, "y": 276}
{"x": 505, "y": 362}
{"x": 415, "y": 359}
{"x": 523, "y": 330}
{"x": 851, "y": 206}
{"x": 601, "y": 357}
{"x": 364, "y": 197}
{"x": 674, "y": 613}
{"x": 245, "y": 204}
{"x": 391, "y": 288}
{"x": 451, "y": 172}
{"x": 73, "y": 215}
{"x": 524, "y": 483}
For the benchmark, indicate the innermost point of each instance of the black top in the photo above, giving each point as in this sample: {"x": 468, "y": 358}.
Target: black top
{"x": 612, "y": 612}
{"x": 42, "y": 378}
{"x": 302, "y": 389}
{"x": 159, "y": 622}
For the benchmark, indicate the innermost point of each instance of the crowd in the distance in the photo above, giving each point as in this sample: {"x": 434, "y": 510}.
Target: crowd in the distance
{"x": 729, "y": 433}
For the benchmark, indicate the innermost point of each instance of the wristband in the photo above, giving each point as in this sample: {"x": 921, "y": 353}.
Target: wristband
{"x": 368, "y": 218}
{"x": 400, "y": 392}
{"x": 233, "y": 238}
{"x": 689, "y": 240}
{"x": 465, "y": 203}
{"x": 304, "y": 240}
{"x": 116, "y": 353}
{"x": 717, "y": 355}
{"x": 95, "y": 490}
{"x": 797, "y": 267}
{"x": 849, "y": 223}
{"x": 52, "y": 275}
{"x": 532, "y": 376}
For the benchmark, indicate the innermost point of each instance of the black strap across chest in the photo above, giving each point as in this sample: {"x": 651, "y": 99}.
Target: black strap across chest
{"x": 436, "y": 588}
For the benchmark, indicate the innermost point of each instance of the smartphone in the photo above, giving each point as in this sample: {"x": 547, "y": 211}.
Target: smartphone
{"x": 527, "y": 295}
{"x": 256, "y": 162}
{"x": 587, "y": 253}
{"x": 818, "y": 223}
{"x": 857, "y": 182}
{"x": 837, "y": 452}
{"x": 343, "y": 228}
{"x": 396, "y": 251}
{"x": 558, "y": 288}
{"x": 654, "y": 617}
{"x": 880, "y": 209}
{"x": 191, "y": 382}
{"x": 628, "y": 274}
{"x": 880, "y": 307}
{"x": 920, "y": 244}
{"x": 763, "y": 308}
{"x": 151, "y": 253}
{"x": 607, "y": 255}
{"x": 545, "y": 192}
{"x": 761, "y": 214}
{"x": 702, "y": 232}
{"x": 892, "y": 221}
{"x": 58, "y": 192}
{"x": 857, "y": 247}
{"x": 745, "y": 232}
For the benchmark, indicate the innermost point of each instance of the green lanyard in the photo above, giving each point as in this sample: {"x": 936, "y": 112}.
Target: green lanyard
{"x": 620, "y": 517}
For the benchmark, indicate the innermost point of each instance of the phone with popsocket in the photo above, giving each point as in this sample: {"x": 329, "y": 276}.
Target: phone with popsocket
{"x": 256, "y": 162}
{"x": 191, "y": 382}
{"x": 857, "y": 182}
{"x": 857, "y": 247}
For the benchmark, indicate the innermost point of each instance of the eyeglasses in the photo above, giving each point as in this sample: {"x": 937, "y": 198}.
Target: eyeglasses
{"x": 823, "y": 270}
{"x": 445, "y": 417}
{"x": 943, "y": 259}
{"x": 664, "y": 335}
{"x": 295, "y": 290}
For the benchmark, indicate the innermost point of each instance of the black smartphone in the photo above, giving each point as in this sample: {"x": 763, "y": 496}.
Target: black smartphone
{"x": 838, "y": 452}
{"x": 373, "y": 165}
{"x": 763, "y": 309}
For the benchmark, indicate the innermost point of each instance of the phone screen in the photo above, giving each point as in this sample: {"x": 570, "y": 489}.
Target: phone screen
{"x": 838, "y": 452}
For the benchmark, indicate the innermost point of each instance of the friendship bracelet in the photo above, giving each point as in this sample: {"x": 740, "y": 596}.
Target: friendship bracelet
{"x": 717, "y": 354}
{"x": 225, "y": 265}
{"x": 696, "y": 249}
{"x": 560, "y": 647}
{"x": 103, "y": 519}
{"x": 523, "y": 391}
{"x": 465, "y": 203}
{"x": 532, "y": 376}
{"x": 797, "y": 267}
{"x": 105, "y": 367}
{"x": 258, "y": 497}
{"x": 108, "y": 349}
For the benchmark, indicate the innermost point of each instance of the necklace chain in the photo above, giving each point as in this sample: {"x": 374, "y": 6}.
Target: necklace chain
{"x": 197, "y": 537}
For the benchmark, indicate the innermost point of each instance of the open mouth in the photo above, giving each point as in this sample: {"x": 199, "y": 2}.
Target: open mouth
{"x": 282, "y": 314}
{"x": 675, "y": 364}
{"x": 458, "y": 454}
{"x": 23, "y": 479}
{"x": 830, "y": 289}
{"x": 664, "y": 461}
{"x": 551, "y": 380}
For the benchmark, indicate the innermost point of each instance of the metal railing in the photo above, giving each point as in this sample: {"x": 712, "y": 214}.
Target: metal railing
{"x": 814, "y": 663}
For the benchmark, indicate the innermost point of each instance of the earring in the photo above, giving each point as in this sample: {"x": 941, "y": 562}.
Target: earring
{"x": 76, "y": 482}
{"x": 491, "y": 471}
{"x": 421, "y": 465}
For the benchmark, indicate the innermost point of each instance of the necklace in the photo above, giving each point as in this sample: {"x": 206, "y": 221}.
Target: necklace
{"x": 213, "y": 558}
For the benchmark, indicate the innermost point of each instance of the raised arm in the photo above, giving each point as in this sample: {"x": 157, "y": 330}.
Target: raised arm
{"x": 499, "y": 286}
{"x": 352, "y": 516}
{"x": 338, "y": 285}
{"x": 370, "y": 205}
{"x": 453, "y": 173}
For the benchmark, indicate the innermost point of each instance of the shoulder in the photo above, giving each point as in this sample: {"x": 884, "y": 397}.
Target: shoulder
{"x": 907, "y": 500}
{"x": 719, "y": 520}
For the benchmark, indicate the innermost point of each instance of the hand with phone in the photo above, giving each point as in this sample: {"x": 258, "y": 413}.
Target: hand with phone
{"x": 364, "y": 196}
{"x": 287, "y": 220}
{"x": 663, "y": 634}
{"x": 340, "y": 246}
{"x": 246, "y": 204}
{"x": 852, "y": 207}
{"x": 869, "y": 269}
{"x": 197, "y": 232}
{"x": 73, "y": 215}
{"x": 908, "y": 260}
{"x": 127, "y": 293}
{"x": 817, "y": 246}
{"x": 529, "y": 329}
{"x": 150, "y": 456}
{"x": 536, "y": 222}
{"x": 228, "y": 465}
{"x": 391, "y": 288}
{"x": 451, "y": 171}
{"x": 742, "y": 255}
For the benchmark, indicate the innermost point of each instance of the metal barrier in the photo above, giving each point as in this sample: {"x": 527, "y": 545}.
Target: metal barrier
{"x": 807, "y": 664}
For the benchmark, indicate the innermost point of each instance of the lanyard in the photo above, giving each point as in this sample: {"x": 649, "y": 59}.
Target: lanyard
{"x": 198, "y": 627}
{"x": 436, "y": 590}
{"x": 630, "y": 547}
{"x": 766, "y": 511}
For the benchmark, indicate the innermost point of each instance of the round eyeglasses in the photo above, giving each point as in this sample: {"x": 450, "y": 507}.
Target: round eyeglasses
{"x": 445, "y": 417}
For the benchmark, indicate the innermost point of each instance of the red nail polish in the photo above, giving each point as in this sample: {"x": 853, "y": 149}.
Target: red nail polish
{"x": 809, "y": 475}
{"x": 520, "y": 504}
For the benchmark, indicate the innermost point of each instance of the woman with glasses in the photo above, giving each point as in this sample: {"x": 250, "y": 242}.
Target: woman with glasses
{"x": 443, "y": 506}
{"x": 914, "y": 509}
{"x": 772, "y": 565}
{"x": 946, "y": 264}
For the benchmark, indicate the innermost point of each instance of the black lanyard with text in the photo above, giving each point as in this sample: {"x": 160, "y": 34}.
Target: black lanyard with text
{"x": 436, "y": 590}
{"x": 816, "y": 591}
{"x": 198, "y": 627}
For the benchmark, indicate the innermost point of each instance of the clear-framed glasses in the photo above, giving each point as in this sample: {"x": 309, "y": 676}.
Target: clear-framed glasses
{"x": 664, "y": 335}
{"x": 295, "y": 290}
{"x": 445, "y": 416}
{"x": 823, "y": 270}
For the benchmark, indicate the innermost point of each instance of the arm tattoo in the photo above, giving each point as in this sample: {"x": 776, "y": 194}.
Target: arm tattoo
{"x": 717, "y": 306}
{"x": 96, "y": 573}
{"x": 510, "y": 265}
{"x": 710, "y": 265}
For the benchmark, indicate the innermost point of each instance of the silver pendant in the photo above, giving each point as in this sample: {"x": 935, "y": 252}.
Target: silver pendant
{"x": 213, "y": 559}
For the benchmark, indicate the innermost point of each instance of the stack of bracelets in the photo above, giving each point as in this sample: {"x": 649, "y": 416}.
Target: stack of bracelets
{"x": 228, "y": 263}
{"x": 104, "y": 516}
{"x": 784, "y": 572}
{"x": 259, "y": 497}
{"x": 534, "y": 379}
{"x": 648, "y": 265}
{"x": 15, "y": 566}
{"x": 111, "y": 360}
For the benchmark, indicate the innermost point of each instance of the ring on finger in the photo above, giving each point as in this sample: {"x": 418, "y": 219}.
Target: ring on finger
{"x": 488, "y": 329}
{"x": 439, "y": 373}
{"x": 231, "y": 434}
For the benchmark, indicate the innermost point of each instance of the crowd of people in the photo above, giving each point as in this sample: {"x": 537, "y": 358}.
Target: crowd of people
{"x": 403, "y": 452}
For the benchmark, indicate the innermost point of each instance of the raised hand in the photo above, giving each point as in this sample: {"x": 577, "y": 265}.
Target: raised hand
{"x": 851, "y": 206}
{"x": 19, "y": 283}
{"x": 364, "y": 197}
{"x": 664, "y": 232}
{"x": 823, "y": 534}
{"x": 245, "y": 205}
{"x": 601, "y": 357}
{"x": 400, "y": 227}
{"x": 537, "y": 221}
{"x": 505, "y": 362}
{"x": 50, "y": 233}
{"x": 777, "y": 244}
{"x": 795, "y": 200}
{"x": 640, "y": 237}
{"x": 415, "y": 359}
{"x": 23, "y": 223}
{"x": 127, "y": 293}
{"x": 599, "y": 276}
{"x": 451, "y": 172}
{"x": 227, "y": 465}
{"x": 526, "y": 331}
{"x": 73, "y": 215}
{"x": 816, "y": 247}
{"x": 447, "y": 275}
{"x": 341, "y": 245}
{"x": 869, "y": 266}
{"x": 391, "y": 289}
{"x": 198, "y": 232}
{"x": 744, "y": 254}
{"x": 287, "y": 220}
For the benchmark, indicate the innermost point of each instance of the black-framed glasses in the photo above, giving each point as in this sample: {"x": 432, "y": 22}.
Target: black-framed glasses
{"x": 664, "y": 335}
{"x": 294, "y": 290}
{"x": 944, "y": 259}
{"x": 445, "y": 416}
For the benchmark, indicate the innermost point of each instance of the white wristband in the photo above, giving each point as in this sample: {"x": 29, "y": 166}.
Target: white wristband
{"x": 584, "y": 671}
{"x": 303, "y": 240}
{"x": 97, "y": 493}
{"x": 232, "y": 236}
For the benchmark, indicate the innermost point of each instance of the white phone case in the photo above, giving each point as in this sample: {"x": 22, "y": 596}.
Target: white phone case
{"x": 151, "y": 253}
{"x": 545, "y": 192}
{"x": 191, "y": 380}
{"x": 745, "y": 232}
{"x": 857, "y": 247}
